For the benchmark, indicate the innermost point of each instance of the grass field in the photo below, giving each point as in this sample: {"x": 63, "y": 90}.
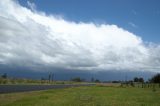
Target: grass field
{"x": 84, "y": 96}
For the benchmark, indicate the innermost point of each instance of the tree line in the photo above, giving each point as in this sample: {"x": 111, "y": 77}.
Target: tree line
{"x": 153, "y": 79}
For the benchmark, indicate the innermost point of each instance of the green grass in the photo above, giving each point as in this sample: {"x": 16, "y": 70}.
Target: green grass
{"x": 84, "y": 96}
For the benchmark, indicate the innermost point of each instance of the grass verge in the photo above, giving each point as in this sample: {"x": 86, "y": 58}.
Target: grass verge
{"x": 84, "y": 96}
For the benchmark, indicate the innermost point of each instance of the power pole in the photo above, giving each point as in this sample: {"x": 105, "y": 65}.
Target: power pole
{"x": 126, "y": 78}
{"x": 49, "y": 77}
{"x": 52, "y": 77}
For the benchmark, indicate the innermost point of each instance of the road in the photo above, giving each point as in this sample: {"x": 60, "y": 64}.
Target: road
{"x": 24, "y": 88}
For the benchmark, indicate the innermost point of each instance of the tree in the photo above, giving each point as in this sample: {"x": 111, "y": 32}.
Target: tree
{"x": 156, "y": 78}
{"x": 141, "y": 79}
{"x": 97, "y": 81}
{"x": 136, "y": 79}
{"x": 4, "y": 76}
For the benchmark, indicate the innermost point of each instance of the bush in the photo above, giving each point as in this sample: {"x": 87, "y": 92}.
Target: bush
{"x": 77, "y": 79}
{"x": 97, "y": 81}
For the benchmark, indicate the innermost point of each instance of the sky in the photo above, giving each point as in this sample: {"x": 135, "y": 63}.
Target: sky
{"x": 80, "y": 38}
{"x": 138, "y": 16}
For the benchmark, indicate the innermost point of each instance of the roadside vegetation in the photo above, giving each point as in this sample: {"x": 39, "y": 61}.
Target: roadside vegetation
{"x": 12, "y": 81}
{"x": 4, "y": 79}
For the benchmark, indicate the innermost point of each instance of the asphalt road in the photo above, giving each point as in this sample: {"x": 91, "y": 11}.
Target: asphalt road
{"x": 25, "y": 88}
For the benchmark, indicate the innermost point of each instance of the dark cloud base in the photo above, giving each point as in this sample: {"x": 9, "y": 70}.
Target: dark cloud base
{"x": 63, "y": 74}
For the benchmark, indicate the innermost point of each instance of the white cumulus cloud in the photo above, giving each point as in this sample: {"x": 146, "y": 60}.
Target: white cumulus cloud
{"x": 33, "y": 39}
{"x": 31, "y": 5}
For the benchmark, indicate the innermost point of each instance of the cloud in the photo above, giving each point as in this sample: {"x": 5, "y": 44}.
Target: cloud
{"x": 134, "y": 12}
{"x": 31, "y": 5}
{"x": 33, "y": 39}
{"x": 132, "y": 24}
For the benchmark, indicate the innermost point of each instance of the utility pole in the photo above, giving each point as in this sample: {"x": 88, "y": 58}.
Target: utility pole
{"x": 52, "y": 77}
{"x": 126, "y": 78}
{"x": 49, "y": 77}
